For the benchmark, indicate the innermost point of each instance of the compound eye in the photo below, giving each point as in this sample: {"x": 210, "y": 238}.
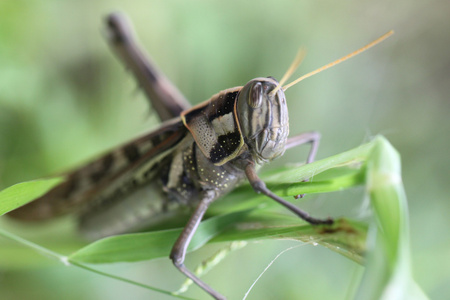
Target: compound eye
{"x": 255, "y": 96}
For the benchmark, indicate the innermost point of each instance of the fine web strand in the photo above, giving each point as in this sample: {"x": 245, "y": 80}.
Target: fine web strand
{"x": 268, "y": 266}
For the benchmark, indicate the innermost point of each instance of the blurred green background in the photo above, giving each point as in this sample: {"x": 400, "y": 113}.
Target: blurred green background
{"x": 65, "y": 98}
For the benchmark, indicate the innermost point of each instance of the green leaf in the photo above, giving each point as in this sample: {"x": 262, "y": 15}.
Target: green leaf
{"x": 354, "y": 157}
{"x": 345, "y": 237}
{"x": 150, "y": 245}
{"x": 388, "y": 270}
{"x": 22, "y": 193}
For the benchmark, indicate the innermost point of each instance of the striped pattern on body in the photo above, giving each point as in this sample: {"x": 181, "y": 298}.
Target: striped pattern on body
{"x": 112, "y": 174}
{"x": 215, "y": 127}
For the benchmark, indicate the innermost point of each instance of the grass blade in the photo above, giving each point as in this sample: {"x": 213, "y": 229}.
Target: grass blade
{"x": 388, "y": 270}
{"x": 22, "y": 193}
{"x": 150, "y": 245}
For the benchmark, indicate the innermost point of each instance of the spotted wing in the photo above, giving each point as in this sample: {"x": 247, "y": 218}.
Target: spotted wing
{"x": 113, "y": 172}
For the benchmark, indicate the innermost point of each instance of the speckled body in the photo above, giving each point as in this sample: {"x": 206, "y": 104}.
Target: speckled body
{"x": 167, "y": 172}
{"x": 172, "y": 189}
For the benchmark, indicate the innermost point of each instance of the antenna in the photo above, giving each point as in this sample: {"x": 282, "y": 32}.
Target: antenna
{"x": 342, "y": 59}
{"x": 294, "y": 65}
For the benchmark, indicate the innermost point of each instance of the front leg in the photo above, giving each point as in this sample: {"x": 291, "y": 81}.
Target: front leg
{"x": 179, "y": 249}
{"x": 260, "y": 187}
{"x": 312, "y": 137}
{"x": 165, "y": 98}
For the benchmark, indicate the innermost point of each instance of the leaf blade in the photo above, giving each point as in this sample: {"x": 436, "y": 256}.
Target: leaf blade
{"x": 20, "y": 194}
{"x": 141, "y": 246}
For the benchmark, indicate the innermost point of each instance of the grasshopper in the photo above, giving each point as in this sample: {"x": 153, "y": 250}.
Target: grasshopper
{"x": 195, "y": 157}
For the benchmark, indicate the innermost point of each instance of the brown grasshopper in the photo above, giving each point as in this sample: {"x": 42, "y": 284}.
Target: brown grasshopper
{"x": 196, "y": 156}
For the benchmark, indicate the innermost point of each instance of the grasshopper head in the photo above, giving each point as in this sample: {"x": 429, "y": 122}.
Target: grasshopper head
{"x": 263, "y": 118}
